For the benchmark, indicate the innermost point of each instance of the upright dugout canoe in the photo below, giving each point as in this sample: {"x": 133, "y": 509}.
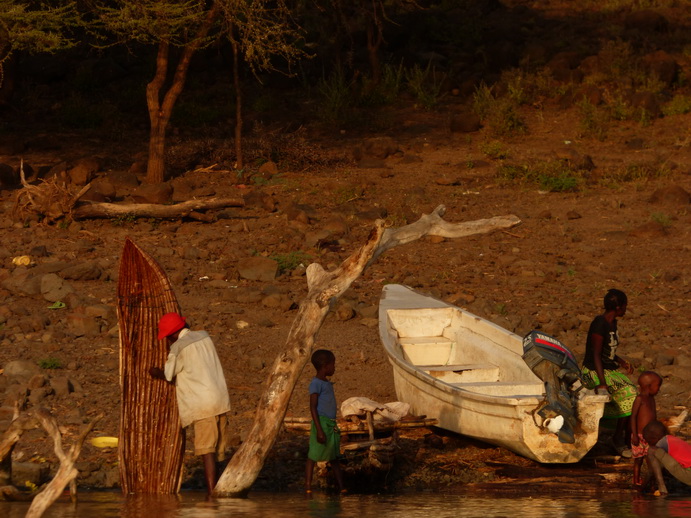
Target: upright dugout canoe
{"x": 151, "y": 445}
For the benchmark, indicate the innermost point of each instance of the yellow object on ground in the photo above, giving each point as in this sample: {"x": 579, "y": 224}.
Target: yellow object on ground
{"x": 21, "y": 260}
{"x": 105, "y": 442}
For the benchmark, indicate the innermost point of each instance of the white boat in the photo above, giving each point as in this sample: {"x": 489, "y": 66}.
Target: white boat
{"x": 470, "y": 375}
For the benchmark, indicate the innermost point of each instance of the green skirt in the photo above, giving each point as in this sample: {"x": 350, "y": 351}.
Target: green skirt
{"x": 622, "y": 391}
{"x": 331, "y": 449}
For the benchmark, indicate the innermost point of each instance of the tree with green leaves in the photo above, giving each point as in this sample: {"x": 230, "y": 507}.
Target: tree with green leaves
{"x": 185, "y": 25}
{"x": 33, "y": 27}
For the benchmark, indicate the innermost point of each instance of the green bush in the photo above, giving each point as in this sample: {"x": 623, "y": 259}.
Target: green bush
{"x": 552, "y": 176}
{"x": 504, "y": 120}
{"x": 291, "y": 260}
{"x": 336, "y": 97}
{"x": 679, "y": 105}
{"x": 494, "y": 150}
{"x": 425, "y": 84}
{"x": 50, "y": 363}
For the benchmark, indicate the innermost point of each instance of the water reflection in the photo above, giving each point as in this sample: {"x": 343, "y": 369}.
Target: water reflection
{"x": 417, "y": 505}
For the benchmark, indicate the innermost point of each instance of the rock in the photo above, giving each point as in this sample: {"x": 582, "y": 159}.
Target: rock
{"x": 36, "y": 381}
{"x": 8, "y": 176}
{"x": 258, "y": 269}
{"x": 267, "y": 170}
{"x": 29, "y": 472}
{"x": 101, "y": 190}
{"x": 21, "y": 369}
{"x": 467, "y": 122}
{"x": 61, "y": 386}
{"x": 54, "y": 288}
{"x": 649, "y": 230}
{"x": 545, "y": 214}
{"x": 83, "y": 171}
{"x": 82, "y": 271}
{"x": 313, "y": 238}
{"x": 261, "y": 200}
{"x": 159, "y": 193}
{"x": 673, "y": 195}
{"x": 572, "y": 214}
{"x": 676, "y": 371}
{"x": 100, "y": 311}
{"x": 80, "y": 324}
{"x": 37, "y": 395}
{"x": 278, "y": 300}
{"x": 344, "y": 310}
{"x": 377, "y": 148}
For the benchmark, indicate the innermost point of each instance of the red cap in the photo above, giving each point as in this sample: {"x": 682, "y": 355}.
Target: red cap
{"x": 169, "y": 324}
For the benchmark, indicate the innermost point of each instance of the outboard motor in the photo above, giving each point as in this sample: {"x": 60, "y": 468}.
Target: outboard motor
{"x": 554, "y": 364}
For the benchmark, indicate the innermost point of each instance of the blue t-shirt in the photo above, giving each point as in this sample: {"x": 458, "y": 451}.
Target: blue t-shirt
{"x": 326, "y": 403}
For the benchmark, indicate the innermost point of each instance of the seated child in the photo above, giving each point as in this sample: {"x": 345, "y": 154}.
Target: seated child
{"x": 667, "y": 451}
{"x": 324, "y": 434}
{"x": 643, "y": 412}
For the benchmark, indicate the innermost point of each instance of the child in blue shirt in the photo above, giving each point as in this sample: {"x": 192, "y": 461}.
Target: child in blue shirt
{"x": 325, "y": 440}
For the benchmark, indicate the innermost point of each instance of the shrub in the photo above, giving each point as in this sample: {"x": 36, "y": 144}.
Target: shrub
{"x": 504, "y": 119}
{"x": 291, "y": 260}
{"x": 336, "y": 97}
{"x": 553, "y": 176}
{"x": 679, "y": 105}
{"x": 50, "y": 363}
{"x": 425, "y": 84}
{"x": 494, "y": 150}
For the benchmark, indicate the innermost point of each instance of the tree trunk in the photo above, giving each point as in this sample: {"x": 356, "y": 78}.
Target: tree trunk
{"x": 160, "y": 111}
{"x": 374, "y": 41}
{"x": 324, "y": 289}
{"x": 239, "y": 158}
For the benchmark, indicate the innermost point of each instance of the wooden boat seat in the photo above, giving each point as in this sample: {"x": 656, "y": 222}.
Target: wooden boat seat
{"x": 427, "y": 349}
{"x": 473, "y": 372}
{"x": 504, "y": 388}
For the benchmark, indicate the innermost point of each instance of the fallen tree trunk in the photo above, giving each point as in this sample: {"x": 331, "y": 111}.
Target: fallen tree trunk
{"x": 152, "y": 210}
{"x": 324, "y": 288}
{"x": 66, "y": 473}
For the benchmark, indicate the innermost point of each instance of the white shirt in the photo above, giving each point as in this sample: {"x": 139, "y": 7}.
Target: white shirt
{"x": 199, "y": 381}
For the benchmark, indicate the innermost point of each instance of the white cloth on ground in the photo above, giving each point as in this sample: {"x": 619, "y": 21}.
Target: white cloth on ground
{"x": 360, "y": 405}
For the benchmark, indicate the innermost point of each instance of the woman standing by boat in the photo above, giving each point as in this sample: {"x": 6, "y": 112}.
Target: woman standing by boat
{"x": 601, "y": 367}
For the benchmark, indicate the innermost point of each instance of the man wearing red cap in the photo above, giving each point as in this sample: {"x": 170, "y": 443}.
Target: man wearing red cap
{"x": 200, "y": 386}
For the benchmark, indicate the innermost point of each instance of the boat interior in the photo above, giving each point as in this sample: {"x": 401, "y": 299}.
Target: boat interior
{"x": 464, "y": 351}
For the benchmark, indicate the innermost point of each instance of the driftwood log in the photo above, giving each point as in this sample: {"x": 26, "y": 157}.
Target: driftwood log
{"x": 66, "y": 473}
{"x": 324, "y": 288}
{"x": 152, "y": 210}
{"x": 152, "y": 443}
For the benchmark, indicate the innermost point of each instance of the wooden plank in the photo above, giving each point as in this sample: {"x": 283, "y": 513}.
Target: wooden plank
{"x": 151, "y": 443}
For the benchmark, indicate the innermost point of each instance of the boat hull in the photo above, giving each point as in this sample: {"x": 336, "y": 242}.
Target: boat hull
{"x": 477, "y": 409}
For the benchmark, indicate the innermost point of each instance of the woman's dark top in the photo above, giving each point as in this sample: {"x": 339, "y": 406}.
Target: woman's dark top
{"x": 610, "y": 342}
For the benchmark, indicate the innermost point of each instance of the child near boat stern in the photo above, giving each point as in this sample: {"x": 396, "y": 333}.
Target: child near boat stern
{"x": 643, "y": 412}
{"x": 325, "y": 440}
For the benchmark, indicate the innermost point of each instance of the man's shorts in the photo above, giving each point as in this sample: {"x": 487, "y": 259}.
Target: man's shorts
{"x": 671, "y": 465}
{"x": 211, "y": 435}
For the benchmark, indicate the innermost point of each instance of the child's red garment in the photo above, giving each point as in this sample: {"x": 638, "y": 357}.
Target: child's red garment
{"x": 640, "y": 451}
